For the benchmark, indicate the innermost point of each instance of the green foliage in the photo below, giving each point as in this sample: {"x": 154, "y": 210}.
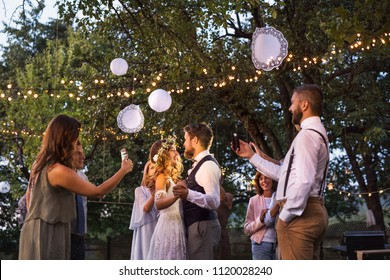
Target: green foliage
{"x": 198, "y": 45}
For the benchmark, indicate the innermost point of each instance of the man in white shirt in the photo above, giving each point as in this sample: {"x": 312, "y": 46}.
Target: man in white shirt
{"x": 303, "y": 218}
{"x": 200, "y": 193}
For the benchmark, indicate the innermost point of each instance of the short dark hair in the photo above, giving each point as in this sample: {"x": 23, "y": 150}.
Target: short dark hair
{"x": 313, "y": 94}
{"x": 202, "y": 131}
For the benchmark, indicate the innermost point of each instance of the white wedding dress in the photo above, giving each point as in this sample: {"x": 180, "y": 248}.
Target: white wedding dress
{"x": 168, "y": 241}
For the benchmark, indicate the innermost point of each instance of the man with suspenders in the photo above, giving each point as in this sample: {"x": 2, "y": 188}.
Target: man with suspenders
{"x": 303, "y": 218}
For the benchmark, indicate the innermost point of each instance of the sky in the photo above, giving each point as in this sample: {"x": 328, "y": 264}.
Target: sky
{"x": 10, "y": 9}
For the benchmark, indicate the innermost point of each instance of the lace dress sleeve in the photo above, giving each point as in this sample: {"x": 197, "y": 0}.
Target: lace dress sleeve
{"x": 160, "y": 194}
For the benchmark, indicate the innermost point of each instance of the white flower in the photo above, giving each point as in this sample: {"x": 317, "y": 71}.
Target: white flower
{"x": 155, "y": 157}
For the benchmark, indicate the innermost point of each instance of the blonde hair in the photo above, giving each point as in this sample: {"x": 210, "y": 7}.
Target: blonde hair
{"x": 164, "y": 165}
{"x": 147, "y": 180}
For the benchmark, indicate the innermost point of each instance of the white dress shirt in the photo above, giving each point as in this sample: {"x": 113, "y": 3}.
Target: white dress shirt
{"x": 208, "y": 177}
{"x": 307, "y": 169}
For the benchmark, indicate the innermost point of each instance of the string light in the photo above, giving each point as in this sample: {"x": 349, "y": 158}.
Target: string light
{"x": 229, "y": 79}
{"x": 360, "y": 194}
{"x": 305, "y": 63}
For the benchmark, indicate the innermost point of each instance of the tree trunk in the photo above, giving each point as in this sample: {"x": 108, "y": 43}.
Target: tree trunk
{"x": 373, "y": 199}
{"x": 367, "y": 180}
{"x": 374, "y": 204}
{"x": 256, "y": 128}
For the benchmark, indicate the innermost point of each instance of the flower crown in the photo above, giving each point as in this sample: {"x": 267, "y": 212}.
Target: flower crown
{"x": 165, "y": 146}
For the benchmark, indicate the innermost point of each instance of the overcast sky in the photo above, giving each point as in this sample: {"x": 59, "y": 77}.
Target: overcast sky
{"x": 10, "y": 9}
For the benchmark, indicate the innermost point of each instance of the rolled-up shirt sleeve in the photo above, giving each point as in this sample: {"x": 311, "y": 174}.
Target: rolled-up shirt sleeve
{"x": 208, "y": 176}
{"x": 269, "y": 169}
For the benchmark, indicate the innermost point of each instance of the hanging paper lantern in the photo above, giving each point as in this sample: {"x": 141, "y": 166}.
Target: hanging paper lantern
{"x": 119, "y": 66}
{"x": 130, "y": 119}
{"x": 160, "y": 100}
{"x": 4, "y": 187}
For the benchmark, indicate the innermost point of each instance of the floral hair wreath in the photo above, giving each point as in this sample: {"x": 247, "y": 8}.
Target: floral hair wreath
{"x": 165, "y": 146}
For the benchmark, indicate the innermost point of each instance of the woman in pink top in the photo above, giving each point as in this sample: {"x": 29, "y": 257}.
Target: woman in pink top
{"x": 263, "y": 236}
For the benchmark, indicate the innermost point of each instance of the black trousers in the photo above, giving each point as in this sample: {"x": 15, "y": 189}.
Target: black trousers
{"x": 77, "y": 247}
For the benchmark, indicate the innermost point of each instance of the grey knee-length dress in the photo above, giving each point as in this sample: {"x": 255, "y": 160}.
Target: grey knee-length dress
{"x": 45, "y": 234}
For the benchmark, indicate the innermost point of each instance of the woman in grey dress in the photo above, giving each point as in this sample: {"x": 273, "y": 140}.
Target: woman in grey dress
{"x": 50, "y": 194}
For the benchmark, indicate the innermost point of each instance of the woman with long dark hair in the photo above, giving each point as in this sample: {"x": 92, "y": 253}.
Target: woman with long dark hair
{"x": 53, "y": 181}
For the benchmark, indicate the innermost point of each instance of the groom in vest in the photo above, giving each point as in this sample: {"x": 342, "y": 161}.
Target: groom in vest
{"x": 200, "y": 193}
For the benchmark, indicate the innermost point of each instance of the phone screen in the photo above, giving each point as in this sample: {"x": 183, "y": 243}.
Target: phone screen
{"x": 123, "y": 153}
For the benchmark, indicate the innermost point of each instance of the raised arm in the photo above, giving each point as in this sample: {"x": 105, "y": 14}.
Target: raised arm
{"x": 61, "y": 176}
{"x": 263, "y": 155}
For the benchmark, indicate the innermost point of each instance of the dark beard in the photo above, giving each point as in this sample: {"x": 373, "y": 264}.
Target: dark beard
{"x": 189, "y": 154}
{"x": 296, "y": 117}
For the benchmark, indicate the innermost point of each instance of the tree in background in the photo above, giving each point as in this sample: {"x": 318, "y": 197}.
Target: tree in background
{"x": 201, "y": 52}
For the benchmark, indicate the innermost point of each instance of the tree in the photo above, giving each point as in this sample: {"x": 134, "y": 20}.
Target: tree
{"x": 202, "y": 51}
{"x": 350, "y": 41}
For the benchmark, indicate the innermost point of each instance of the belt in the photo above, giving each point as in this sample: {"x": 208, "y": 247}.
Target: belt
{"x": 310, "y": 199}
{"x": 315, "y": 198}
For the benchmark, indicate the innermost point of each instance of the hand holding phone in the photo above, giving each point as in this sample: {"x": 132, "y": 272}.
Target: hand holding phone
{"x": 123, "y": 153}
{"x": 235, "y": 141}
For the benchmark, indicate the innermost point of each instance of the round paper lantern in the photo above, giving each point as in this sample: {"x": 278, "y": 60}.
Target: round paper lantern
{"x": 160, "y": 100}
{"x": 119, "y": 66}
{"x": 130, "y": 119}
{"x": 4, "y": 187}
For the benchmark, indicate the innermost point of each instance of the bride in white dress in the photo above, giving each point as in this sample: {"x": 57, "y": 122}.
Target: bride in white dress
{"x": 168, "y": 241}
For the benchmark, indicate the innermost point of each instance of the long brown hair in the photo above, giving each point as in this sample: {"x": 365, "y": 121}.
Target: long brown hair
{"x": 58, "y": 143}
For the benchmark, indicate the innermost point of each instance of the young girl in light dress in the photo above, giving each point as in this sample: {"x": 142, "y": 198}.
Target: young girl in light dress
{"x": 144, "y": 215}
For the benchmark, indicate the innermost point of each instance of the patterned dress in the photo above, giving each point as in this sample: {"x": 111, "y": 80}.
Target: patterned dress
{"x": 168, "y": 240}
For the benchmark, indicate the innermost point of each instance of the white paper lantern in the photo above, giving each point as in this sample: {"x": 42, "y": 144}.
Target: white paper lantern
{"x": 4, "y": 187}
{"x": 160, "y": 100}
{"x": 119, "y": 66}
{"x": 130, "y": 119}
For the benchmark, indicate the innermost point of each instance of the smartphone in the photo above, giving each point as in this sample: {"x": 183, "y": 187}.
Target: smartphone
{"x": 235, "y": 141}
{"x": 123, "y": 153}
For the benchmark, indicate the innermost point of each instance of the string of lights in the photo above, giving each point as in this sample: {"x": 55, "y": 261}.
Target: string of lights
{"x": 76, "y": 90}
{"x": 358, "y": 194}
